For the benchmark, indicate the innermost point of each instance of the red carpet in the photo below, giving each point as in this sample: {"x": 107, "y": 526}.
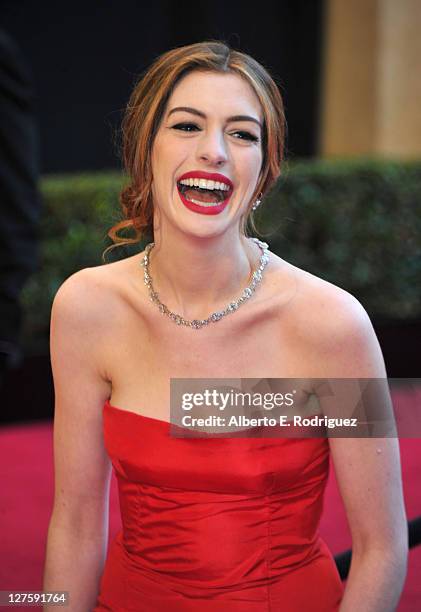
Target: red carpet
{"x": 26, "y": 469}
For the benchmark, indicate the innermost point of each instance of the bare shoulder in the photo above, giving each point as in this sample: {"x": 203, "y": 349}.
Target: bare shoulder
{"x": 85, "y": 310}
{"x": 78, "y": 289}
{"x": 333, "y": 327}
{"x": 330, "y": 310}
{"x": 91, "y": 294}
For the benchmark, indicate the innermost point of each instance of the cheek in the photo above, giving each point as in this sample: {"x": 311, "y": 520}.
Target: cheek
{"x": 158, "y": 167}
{"x": 169, "y": 158}
{"x": 251, "y": 156}
{"x": 252, "y": 165}
{"x": 259, "y": 161}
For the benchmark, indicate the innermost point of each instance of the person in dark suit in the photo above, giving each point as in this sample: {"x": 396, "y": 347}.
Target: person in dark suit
{"x": 19, "y": 197}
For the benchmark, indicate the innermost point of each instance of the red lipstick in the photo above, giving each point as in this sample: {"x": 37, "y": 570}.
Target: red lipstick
{"x": 214, "y": 209}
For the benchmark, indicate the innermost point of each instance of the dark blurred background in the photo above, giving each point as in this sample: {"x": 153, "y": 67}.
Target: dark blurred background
{"x": 84, "y": 57}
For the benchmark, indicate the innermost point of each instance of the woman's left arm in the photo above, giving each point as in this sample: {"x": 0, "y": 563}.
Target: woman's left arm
{"x": 368, "y": 473}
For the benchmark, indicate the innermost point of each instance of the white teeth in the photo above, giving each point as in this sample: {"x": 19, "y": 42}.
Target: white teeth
{"x": 205, "y": 204}
{"x": 205, "y": 184}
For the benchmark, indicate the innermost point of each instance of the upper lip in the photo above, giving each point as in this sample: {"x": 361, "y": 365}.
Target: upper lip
{"x": 209, "y": 176}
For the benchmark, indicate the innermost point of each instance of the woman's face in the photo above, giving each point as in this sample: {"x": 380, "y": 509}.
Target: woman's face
{"x": 207, "y": 154}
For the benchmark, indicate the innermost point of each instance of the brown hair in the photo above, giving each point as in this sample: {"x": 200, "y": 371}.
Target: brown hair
{"x": 146, "y": 108}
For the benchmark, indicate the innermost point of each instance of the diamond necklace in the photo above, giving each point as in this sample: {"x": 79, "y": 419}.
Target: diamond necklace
{"x": 215, "y": 316}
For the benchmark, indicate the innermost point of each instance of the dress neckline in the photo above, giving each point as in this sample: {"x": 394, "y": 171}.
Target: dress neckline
{"x": 107, "y": 404}
{"x": 168, "y": 424}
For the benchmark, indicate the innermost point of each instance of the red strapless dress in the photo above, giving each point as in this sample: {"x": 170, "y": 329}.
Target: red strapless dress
{"x": 216, "y": 525}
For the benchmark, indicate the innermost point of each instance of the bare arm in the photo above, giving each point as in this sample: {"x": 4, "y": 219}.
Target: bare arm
{"x": 368, "y": 472}
{"x": 78, "y": 529}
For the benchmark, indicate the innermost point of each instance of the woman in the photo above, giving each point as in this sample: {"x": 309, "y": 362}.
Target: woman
{"x": 227, "y": 524}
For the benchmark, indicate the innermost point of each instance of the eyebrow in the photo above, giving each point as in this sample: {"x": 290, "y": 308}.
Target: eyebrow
{"x": 194, "y": 111}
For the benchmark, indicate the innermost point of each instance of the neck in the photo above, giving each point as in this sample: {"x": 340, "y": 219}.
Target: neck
{"x": 196, "y": 276}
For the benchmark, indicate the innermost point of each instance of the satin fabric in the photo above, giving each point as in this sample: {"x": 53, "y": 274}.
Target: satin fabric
{"x": 226, "y": 524}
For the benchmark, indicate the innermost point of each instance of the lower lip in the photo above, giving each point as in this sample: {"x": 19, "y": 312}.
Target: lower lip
{"x": 205, "y": 210}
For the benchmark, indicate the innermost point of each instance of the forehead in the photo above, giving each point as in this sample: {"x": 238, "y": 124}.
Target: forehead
{"x": 217, "y": 93}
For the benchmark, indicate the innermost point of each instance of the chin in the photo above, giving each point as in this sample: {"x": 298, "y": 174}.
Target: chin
{"x": 204, "y": 231}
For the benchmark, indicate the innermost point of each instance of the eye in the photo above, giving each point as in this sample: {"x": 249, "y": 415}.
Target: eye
{"x": 186, "y": 127}
{"x": 243, "y": 135}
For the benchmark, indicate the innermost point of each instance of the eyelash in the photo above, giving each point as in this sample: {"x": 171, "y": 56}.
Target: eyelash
{"x": 246, "y": 135}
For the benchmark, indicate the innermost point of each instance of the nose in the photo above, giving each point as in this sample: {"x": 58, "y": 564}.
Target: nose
{"x": 212, "y": 148}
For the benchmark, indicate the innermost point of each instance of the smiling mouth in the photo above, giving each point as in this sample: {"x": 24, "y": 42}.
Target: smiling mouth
{"x": 204, "y": 193}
